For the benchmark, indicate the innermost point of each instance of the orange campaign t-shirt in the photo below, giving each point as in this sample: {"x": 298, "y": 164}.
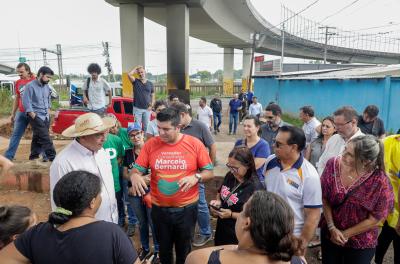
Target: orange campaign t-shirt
{"x": 168, "y": 164}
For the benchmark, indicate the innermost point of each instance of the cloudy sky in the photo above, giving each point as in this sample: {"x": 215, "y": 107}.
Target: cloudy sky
{"x": 80, "y": 27}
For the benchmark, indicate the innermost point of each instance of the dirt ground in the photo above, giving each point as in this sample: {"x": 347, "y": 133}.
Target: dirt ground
{"x": 40, "y": 202}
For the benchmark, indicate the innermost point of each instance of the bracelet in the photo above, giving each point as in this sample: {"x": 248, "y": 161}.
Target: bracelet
{"x": 331, "y": 226}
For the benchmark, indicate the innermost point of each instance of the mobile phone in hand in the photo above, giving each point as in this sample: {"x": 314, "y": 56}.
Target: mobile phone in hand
{"x": 215, "y": 207}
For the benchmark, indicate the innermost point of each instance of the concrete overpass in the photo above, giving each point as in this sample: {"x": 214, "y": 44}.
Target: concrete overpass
{"x": 227, "y": 23}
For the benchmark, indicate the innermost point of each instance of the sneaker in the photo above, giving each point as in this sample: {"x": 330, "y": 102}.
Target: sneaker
{"x": 131, "y": 230}
{"x": 143, "y": 254}
{"x": 230, "y": 133}
{"x": 200, "y": 240}
{"x": 155, "y": 259}
{"x": 218, "y": 130}
{"x": 215, "y": 132}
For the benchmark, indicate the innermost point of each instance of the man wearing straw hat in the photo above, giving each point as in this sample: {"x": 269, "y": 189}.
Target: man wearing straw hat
{"x": 86, "y": 152}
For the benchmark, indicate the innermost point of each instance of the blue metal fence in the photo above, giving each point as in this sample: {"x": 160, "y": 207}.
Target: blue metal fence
{"x": 326, "y": 95}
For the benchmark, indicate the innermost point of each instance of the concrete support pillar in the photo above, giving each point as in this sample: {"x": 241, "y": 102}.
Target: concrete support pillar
{"x": 228, "y": 71}
{"x": 132, "y": 42}
{"x": 246, "y": 68}
{"x": 178, "y": 51}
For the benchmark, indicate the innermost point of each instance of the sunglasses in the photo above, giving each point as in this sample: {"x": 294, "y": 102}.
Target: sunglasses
{"x": 135, "y": 135}
{"x": 269, "y": 117}
{"x": 232, "y": 168}
{"x": 279, "y": 144}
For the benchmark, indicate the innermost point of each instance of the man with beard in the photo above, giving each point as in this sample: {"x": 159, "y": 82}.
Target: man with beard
{"x": 272, "y": 115}
{"x": 36, "y": 101}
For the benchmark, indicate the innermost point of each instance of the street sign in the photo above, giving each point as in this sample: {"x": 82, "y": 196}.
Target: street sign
{"x": 22, "y": 59}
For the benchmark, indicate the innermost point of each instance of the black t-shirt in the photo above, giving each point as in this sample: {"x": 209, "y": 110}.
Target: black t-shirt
{"x": 225, "y": 232}
{"x": 129, "y": 160}
{"x": 375, "y": 127}
{"x": 216, "y": 105}
{"x": 97, "y": 242}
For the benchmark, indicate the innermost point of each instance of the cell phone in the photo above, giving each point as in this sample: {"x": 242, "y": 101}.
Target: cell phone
{"x": 215, "y": 207}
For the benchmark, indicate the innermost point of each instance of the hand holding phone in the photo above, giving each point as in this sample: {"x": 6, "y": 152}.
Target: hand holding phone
{"x": 216, "y": 208}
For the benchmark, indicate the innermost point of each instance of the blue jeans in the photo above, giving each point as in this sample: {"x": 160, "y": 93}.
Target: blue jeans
{"x": 233, "y": 120}
{"x": 20, "y": 124}
{"x": 203, "y": 214}
{"x": 132, "y": 219}
{"x": 142, "y": 116}
{"x": 215, "y": 116}
{"x": 100, "y": 111}
{"x": 144, "y": 215}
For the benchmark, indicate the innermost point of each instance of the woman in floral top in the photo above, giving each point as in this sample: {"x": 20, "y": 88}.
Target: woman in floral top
{"x": 356, "y": 196}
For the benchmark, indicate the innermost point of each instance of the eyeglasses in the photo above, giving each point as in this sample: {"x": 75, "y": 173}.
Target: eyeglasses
{"x": 232, "y": 168}
{"x": 279, "y": 144}
{"x": 136, "y": 135}
{"x": 269, "y": 117}
{"x": 341, "y": 125}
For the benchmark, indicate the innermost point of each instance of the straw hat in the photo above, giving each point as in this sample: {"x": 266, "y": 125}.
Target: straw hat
{"x": 88, "y": 124}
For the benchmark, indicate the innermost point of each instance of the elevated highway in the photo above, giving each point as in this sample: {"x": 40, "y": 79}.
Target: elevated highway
{"x": 227, "y": 23}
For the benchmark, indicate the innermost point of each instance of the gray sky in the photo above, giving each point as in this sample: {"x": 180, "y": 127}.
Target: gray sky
{"x": 81, "y": 26}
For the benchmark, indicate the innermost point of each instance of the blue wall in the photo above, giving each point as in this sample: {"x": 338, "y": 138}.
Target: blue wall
{"x": 328, "y": 95}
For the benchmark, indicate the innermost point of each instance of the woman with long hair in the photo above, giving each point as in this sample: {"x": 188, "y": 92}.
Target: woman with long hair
{"x": 264, "y": 229}
{"x": 356, "y": 195}
{"x": 72, "y": 233}
{"x": 238, "y": 185}
{"x": 317, "y": 146}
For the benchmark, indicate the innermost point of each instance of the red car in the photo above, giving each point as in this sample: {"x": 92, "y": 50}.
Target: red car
{"x": 122, "y": 108}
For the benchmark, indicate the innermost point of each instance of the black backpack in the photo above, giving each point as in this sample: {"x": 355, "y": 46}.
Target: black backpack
{"x": 87, "y": 87}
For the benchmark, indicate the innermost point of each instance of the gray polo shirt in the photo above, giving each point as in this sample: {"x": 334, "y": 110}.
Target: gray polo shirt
{"x": 269, "y": 135}
{"x": 200, "y": 131}
{"x": 36, "y": 98}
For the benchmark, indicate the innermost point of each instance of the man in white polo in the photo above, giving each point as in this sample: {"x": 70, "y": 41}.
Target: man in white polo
{"x": 86, "y": 153}
{"x": 288, "y": 174}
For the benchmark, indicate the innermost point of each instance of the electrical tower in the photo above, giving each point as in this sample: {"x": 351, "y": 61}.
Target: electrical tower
{"x": 327, "y": 33}
{"x": 59, "y": 61}
{"x": 106, "y": 53}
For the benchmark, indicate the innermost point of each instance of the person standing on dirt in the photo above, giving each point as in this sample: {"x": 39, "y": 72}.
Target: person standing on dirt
{"x": 37, "y": 101}
{"x": 143, "y": 94}
{"x": 18, "y": 116}
{"x": 96, "y": 90}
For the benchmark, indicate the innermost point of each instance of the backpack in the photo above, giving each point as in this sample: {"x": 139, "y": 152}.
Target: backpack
{"x": 87, "y": 87}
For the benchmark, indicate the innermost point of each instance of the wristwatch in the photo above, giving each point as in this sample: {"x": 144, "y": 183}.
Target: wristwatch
{"x": 198, "y": 177}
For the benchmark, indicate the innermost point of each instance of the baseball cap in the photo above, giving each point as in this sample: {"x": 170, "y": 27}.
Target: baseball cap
{"x": 134, "y": 127}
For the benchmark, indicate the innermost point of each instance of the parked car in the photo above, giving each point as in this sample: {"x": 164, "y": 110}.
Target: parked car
{"x": 121, "y": 107}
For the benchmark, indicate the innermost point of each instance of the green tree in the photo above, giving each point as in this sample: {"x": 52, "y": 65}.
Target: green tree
{"x": 204, "y": 75}
{"x": 219, "y": 74}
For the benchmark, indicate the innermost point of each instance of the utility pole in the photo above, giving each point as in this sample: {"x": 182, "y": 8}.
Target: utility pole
{"x": 106, "y": 54}
{"x": 59, "y": 61}
{"x": 327, "y": 33}
{"x": 283, "y": 47}
{"x": 255, "y": 37}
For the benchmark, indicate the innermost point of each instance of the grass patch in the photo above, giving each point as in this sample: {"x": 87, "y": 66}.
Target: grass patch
{"x": 295, "y": 121}
{"x": 63, "y": 93}
{"x": 6, "y": 102}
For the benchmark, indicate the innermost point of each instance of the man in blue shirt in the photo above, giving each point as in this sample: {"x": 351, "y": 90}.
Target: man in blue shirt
{"x": 36, "y": 101}
{"x": 235, "y": 105}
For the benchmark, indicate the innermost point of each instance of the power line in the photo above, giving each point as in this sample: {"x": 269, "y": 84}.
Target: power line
{"x": 298, "y": 13}
{"x": 339, "y": 11}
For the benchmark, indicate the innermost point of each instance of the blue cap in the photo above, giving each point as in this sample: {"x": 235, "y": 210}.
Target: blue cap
{"x": 134, "y": 127}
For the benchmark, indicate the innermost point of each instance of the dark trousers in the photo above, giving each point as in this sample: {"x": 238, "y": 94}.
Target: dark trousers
{"x": 41, "y": 140}
{"x": 387, "y": 235}
{"x": 334, "y": 254}
{"x": 120, "y": 207}
{"x": 174, "y": 226}
{"x": 216, "y": 116}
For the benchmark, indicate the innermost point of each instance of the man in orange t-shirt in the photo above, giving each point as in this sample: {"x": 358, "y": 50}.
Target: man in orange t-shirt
{"x": 178, "y": 163}
{"x": 18, "y": 115}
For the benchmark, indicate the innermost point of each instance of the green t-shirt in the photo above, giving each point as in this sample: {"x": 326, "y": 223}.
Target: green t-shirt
{"x": 114, "y": 147}
{"x": 123, "y": 135}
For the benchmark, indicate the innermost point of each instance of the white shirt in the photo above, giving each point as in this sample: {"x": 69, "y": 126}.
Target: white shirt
{"x": 97, "y": 93}
{"x": 76, "y": 157}
{"x": 205, "y": 115}
{"x": 299, "y": 186}
{"x": 309, "y": 130}
{"x": 334, "y": 147}
{"x": 255, "y": 109}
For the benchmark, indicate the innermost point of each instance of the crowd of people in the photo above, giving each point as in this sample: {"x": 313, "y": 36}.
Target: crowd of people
{"x": 332, "y": 183}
